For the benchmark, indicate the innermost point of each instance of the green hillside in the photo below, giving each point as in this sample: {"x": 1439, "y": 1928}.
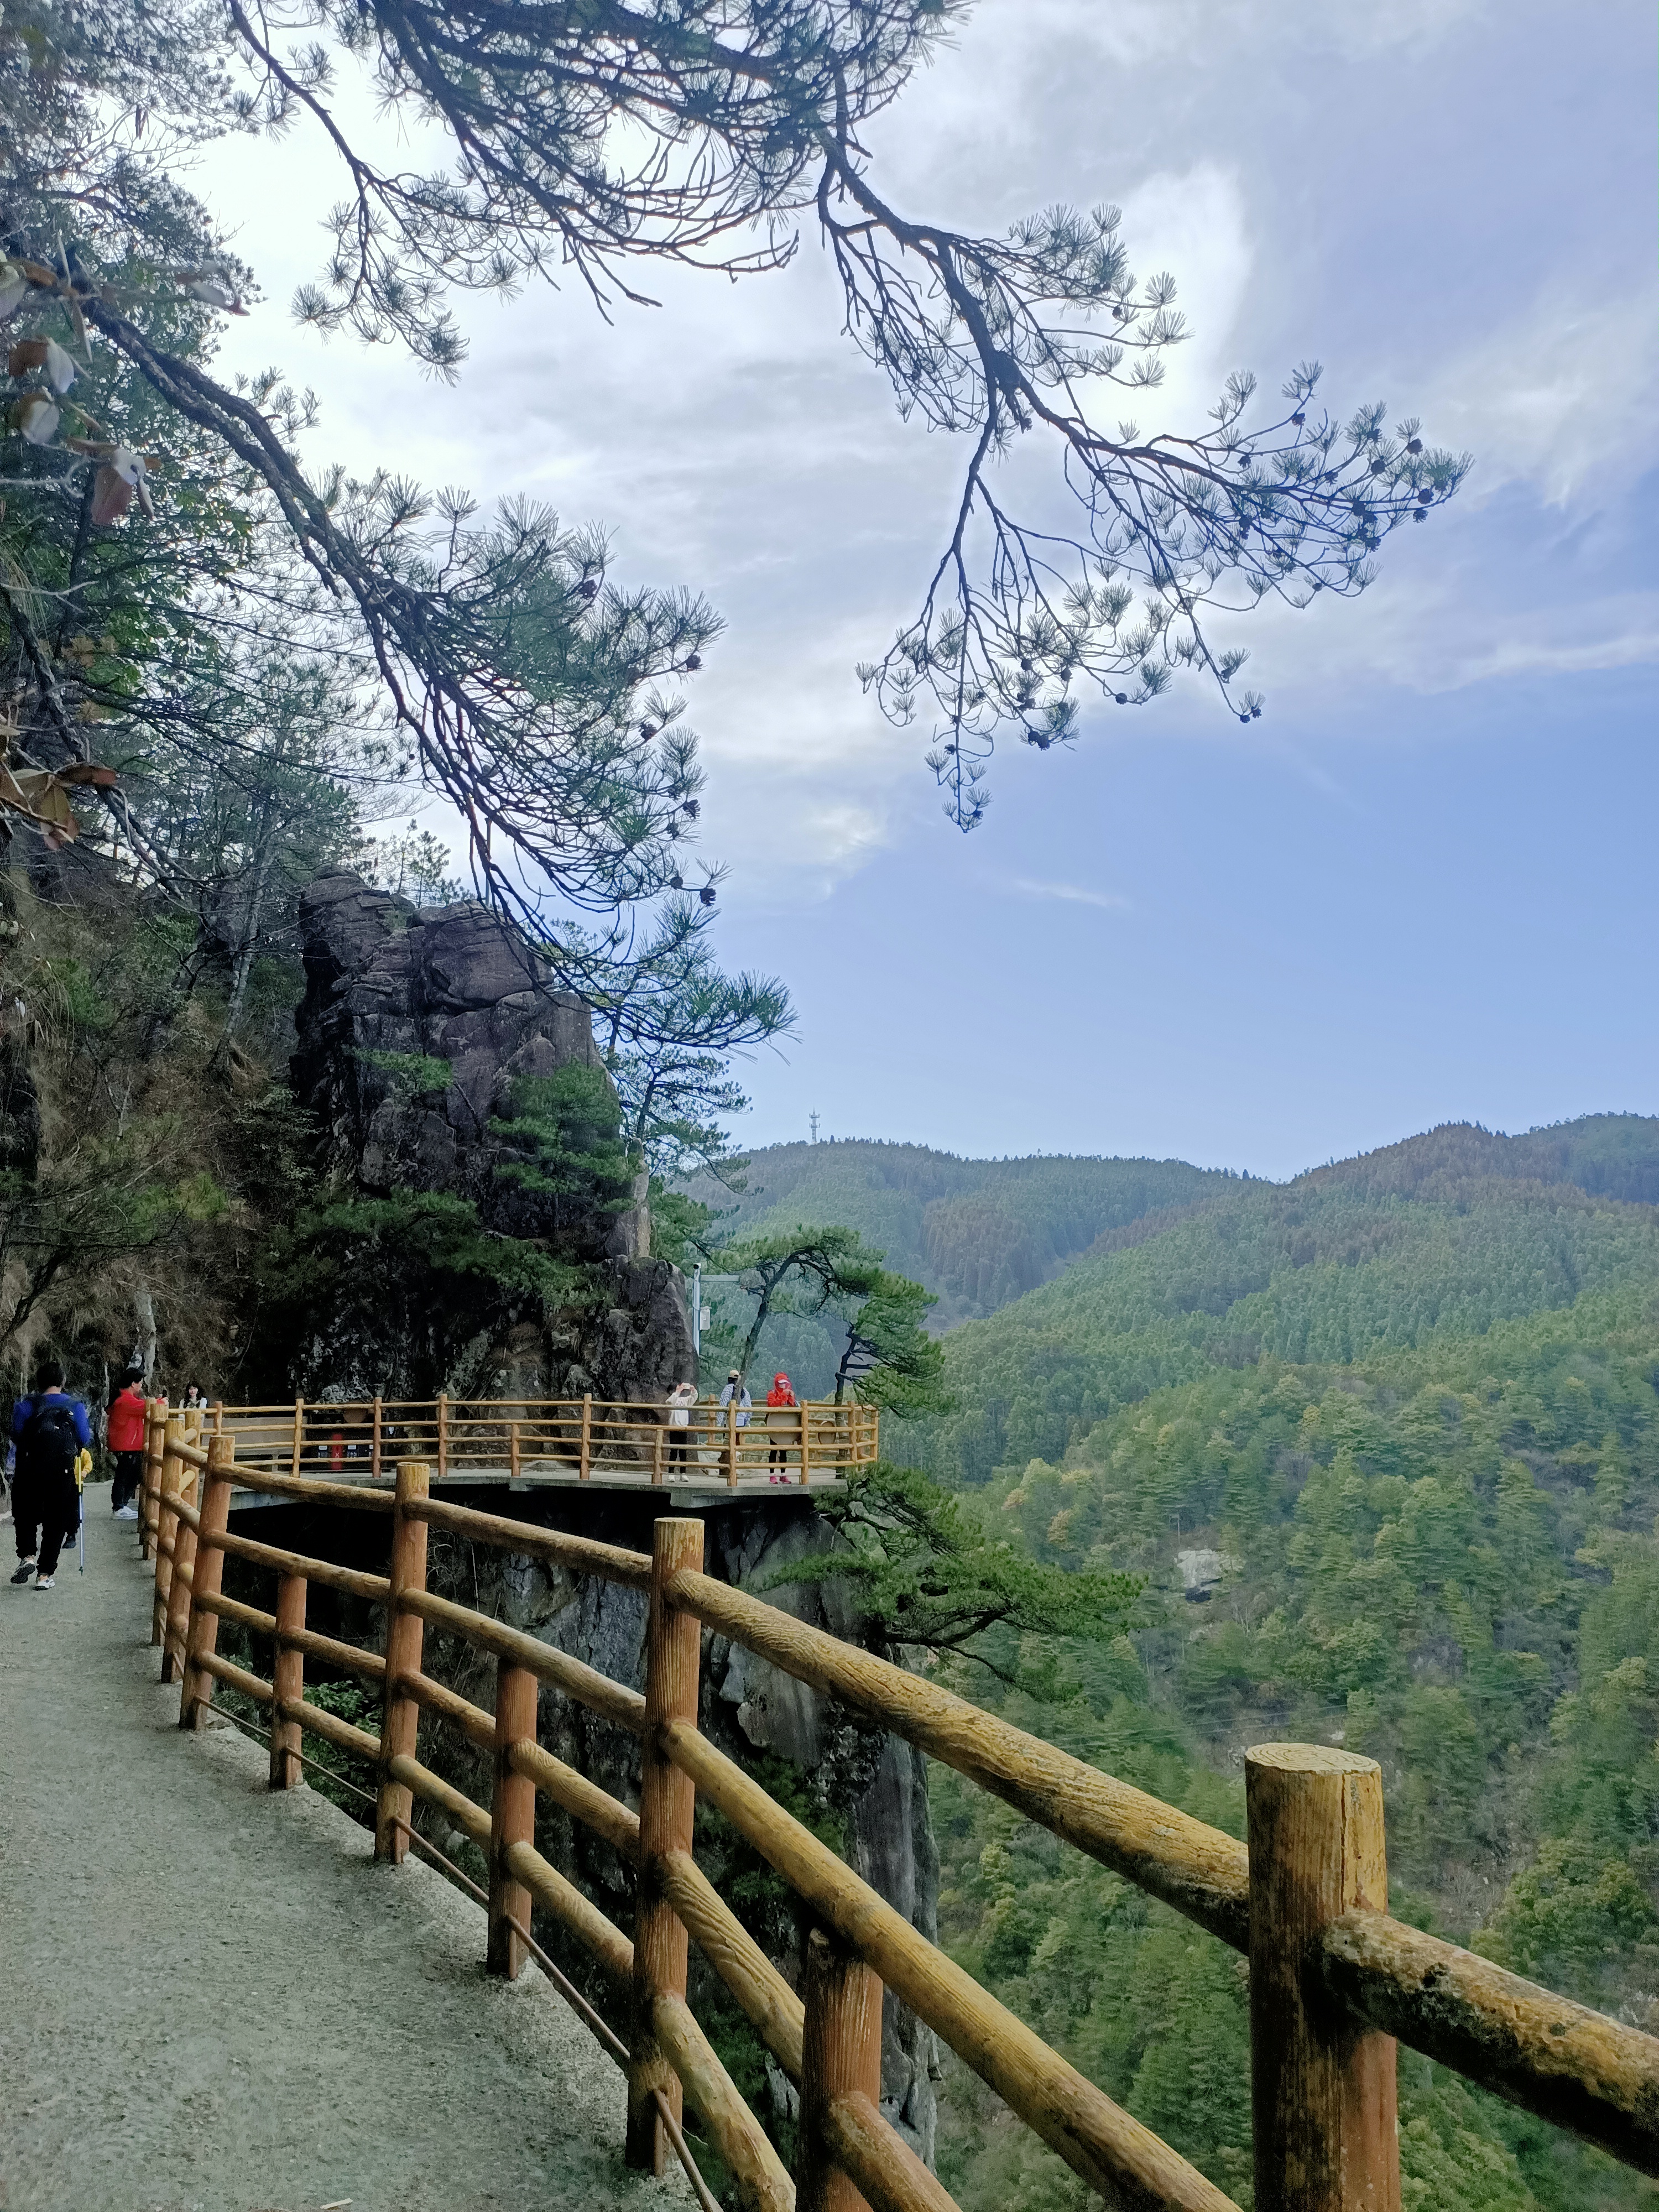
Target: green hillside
{"x": 1384, "y": 1443}
{"x": 977, "y": 1232}
{"x": 1440, "y": 1236}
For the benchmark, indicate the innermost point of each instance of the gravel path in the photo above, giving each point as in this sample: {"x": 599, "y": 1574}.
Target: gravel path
{"x": 213, "y": 2001}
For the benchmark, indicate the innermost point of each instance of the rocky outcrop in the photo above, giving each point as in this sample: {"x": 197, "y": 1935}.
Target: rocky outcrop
{"x": 416, "y": 1025}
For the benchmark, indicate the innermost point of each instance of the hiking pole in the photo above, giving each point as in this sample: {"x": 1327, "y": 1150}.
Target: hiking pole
{"x": 83, "y": 1469}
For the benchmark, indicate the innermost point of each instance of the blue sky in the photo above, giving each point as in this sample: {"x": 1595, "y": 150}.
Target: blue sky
{"x": 1421, "y": 887}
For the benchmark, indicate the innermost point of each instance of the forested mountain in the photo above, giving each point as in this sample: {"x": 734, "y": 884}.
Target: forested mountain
{"x": 1444, "y": 1235}
{"x": 1384, "y": 1443}
{"x": 977, "y": 1232}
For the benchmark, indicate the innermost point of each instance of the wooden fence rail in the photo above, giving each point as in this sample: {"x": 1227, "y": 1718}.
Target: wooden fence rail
{"x": 556, "y": 1439}
{"x": 1334, "y": 1980}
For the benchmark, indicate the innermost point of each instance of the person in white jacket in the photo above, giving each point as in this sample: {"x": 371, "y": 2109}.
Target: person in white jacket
{"x": 735, "y": 1392}
{"x": 681, "y": 1399}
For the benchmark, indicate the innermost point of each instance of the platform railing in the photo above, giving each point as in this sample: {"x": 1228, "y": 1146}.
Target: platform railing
{"x": 1333, "y": 1978}
{"x": 561, "y": 1437}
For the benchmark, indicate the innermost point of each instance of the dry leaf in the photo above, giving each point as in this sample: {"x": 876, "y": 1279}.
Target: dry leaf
{"x": 112, "y": 496}
{"x": 36, "y": 418}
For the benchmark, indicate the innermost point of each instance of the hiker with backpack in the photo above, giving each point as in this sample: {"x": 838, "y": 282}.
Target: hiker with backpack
{"x": 51, "y": 1430}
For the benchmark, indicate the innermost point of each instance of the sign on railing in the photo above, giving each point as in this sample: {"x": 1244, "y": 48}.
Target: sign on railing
{"x": 1333, "y": 1979}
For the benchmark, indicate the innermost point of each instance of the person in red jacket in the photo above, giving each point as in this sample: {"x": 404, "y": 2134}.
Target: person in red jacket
{"x": 780, "y": 1394}
{"x": 123, "y": 1434}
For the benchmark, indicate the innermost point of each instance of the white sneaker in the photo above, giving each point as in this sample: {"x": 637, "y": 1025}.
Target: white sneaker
{"x": 125, "y": 1513}
{"x": 46, "y": 1582}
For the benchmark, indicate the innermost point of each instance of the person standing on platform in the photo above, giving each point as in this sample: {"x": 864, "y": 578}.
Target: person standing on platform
{"x": 780, "y": 1394}
{"x": 51, "y": 1430}
{"x": 681, "y": 1400}
{"x": 124, "y": 1435}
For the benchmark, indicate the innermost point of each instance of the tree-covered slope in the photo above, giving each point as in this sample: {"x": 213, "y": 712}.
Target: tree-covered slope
{"x": 976, "y": 1232}
{"x": 1384, "y": 1443}
{"x": 1444, "y": 1235}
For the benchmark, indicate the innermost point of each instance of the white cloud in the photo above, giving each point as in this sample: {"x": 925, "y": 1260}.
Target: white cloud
{"x": 1561, "y": 397}
{"x": 738, "y": 445}
{"x": 1070, "y": 894}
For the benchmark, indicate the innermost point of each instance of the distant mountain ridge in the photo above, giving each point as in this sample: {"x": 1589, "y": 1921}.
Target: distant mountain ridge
{"x": 977, "y": 1232}
{"x": 1441, "y": 1236}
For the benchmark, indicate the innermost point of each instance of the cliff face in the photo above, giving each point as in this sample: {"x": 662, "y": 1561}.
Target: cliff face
{"x": 389, "y": 984}
{"x": 415, "y": 1025}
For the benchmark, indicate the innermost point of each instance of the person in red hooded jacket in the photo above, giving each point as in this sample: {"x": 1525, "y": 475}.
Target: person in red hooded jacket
{"x": 780, "y": 1394}
{"x": 124, "y": 1433}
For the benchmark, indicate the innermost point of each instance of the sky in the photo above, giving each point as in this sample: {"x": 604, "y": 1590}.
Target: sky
{"x": 1421, "y": 887}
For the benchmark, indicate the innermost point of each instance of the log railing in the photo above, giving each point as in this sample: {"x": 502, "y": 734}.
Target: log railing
{"x": 556, "y": 1439}
{"x": 1333, "y": 1979}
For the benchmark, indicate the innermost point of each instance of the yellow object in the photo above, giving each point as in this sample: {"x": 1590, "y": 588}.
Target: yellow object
{"x": 83, "y": 1469}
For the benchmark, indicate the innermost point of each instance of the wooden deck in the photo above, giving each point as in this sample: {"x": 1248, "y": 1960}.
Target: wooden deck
{"x": 556, "y": 1444}
{"x": 705, "y": 1488}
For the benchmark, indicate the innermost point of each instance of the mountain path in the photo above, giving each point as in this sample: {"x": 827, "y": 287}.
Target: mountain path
{"x": 214, "y": 2000}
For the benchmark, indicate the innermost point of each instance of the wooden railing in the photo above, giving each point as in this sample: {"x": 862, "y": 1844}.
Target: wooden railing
{"x": 1333, "y": 1979}
{"x": 557, "y": 1439}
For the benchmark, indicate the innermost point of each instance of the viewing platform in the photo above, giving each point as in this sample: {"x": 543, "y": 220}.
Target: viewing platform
{"x": 554, "y": 1443}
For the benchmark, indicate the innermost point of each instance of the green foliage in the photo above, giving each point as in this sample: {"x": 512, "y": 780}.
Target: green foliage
{"x": 414, "y": 1074}
{"x": 890, "y": 1360}
{"x": 413, "y": 1287}
{"x": 976, "y": 1232}
{"x": 929, "y": 1575}
{"x": 801, "y": 1270}
{"x": 1437, "y": 1548}
{"x": 563, "y": 1141}
{"x": 1322, "y": 1270}
{"x": 681, "y": 1228}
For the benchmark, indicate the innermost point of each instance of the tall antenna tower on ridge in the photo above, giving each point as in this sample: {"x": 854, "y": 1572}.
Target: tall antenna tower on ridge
{"x": 813, "y": 1118}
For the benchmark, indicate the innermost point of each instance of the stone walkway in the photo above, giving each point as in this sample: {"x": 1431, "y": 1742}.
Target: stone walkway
{"x": 213, "y": 2001}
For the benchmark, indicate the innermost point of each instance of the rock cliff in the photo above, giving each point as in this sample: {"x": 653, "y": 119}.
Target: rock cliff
{"x": 415, "y": 1026}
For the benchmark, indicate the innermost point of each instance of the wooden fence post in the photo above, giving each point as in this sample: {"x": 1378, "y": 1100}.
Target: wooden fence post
{"x": 405, "y": 1634}
{"x": 443, "y": 1434}
{"x": 512, "y": 1816}
{"x": 587, "y": 1438}
{"x": 841, "y": 2053}
{"x": 1322, "y": 2087}
{"x": 667, "y": 1807}
{"x": 207, "y": 1568}
{"x": 299, "y": 1432}
{"x": 732, "y": 1442}
{"x": 805, "y": 1459}
{"x": 512, "y": 1451}
{"x": 181, "y": 1581}
{"x": 374, "y": 1442}
{"x": 288, "y": 1678}
{"x": 150, "y": 1517}
{"x": 156, "y": 1417}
